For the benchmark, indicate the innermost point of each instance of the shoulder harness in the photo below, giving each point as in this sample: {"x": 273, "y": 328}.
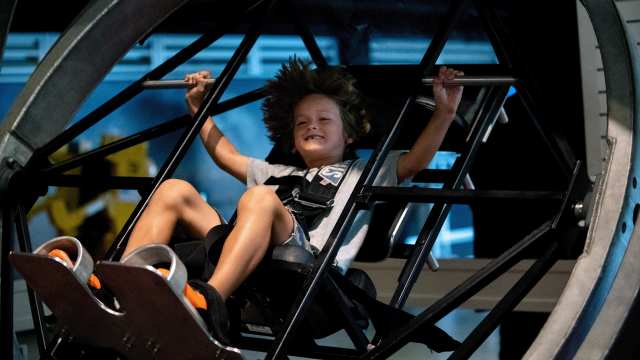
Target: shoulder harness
{"x": 307, "y": 200}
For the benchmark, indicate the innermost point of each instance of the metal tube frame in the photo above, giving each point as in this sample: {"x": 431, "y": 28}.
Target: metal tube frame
{"x": 339, "y": 232}
{"x": 6, "y": 285}
{"x": 552, "y": 199}
{"x": 37, "y": 309}
{"x": 317, "y": 276}
{"x": 135, "y": 88}
{"x": 461, "y": 293}
{"x": 528, "y": 90}
{"x": 528, "y": 280}
{"x": 439, "y": 211}
{"x": 200, "y": 117}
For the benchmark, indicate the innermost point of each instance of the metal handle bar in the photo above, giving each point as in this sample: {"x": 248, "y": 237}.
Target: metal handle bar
{"x": 465, "y": 80}
{"x": 476, "y": 80}
{"x": 172, "y": 84}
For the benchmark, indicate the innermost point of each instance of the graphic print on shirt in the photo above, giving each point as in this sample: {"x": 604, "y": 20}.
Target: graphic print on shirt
{"x": 333, "y": 173}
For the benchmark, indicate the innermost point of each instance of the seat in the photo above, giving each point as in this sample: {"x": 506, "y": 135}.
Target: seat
{"x": 267, "y": 296}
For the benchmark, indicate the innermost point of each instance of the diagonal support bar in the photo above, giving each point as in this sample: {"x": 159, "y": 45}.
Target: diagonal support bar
{"x": 508, "y": 303}
{"x": 528, "y": 89}
{"x": 200, "y": 117}
{"x": 439, "y": 212}
{"x": 338, "y": 234}
{"x": 460, "y": 294}
{"x": 134, "y": 89}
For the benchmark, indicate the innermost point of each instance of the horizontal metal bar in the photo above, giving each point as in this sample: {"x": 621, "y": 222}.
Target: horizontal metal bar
{"x": 434, "y": 176}
{"x": 465, "y": 80}
{"x": 119, "y": 145}
{"x": 173, "y": 84}
{"x": 448, "y": 196}
{"x": 475, "y": 80}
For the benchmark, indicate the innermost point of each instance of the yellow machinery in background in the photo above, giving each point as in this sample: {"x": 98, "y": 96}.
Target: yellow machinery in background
{"x": 96, "y": 216}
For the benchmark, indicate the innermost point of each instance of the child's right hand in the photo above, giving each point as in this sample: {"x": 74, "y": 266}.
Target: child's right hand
{"x": 195, "y": 95}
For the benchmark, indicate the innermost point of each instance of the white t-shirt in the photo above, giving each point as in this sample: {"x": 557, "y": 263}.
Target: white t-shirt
{"x": 259, "y": 171}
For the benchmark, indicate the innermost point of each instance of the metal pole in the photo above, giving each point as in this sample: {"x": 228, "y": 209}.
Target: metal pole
{"x": 37, "y": 310}
{"x": 172, "y": 84}
{"x": 529, "y": 91}
{"x": 439, "y": 212}
{"x": 135, "y": 88}
{"x": 200, "y": 118}
{"x": 339, "y": 232}
{"x": 475, "y": 80}
{"x": 460, "y": 294}
{"x": 464, "y": 80}
{"x": 6, "y": 285}
{"x": 508, "y": 303}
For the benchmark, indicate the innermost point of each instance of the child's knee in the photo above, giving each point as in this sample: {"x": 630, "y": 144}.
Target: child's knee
{"x": 174, "y": 191}
{"x": 259, "y": 197}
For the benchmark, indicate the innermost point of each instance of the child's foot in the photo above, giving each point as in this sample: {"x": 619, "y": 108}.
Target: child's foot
{"x": 101, "y": 293}
{"x": 210, "y": 306}
{"x": 214, "y": 312}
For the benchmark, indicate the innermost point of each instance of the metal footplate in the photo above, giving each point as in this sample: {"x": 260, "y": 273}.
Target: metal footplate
{"x": 155, "y": 321}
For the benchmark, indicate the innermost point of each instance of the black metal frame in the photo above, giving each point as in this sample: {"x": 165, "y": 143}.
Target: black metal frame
{"x": 38, "y": 173}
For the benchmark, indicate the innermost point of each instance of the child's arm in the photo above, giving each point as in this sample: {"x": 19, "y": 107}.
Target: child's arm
{"x": 223, "y": 153}
{"x": 425, "y": 148}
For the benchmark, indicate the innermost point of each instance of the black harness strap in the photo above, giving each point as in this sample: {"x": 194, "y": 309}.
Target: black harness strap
{"x": 306, "y": 199}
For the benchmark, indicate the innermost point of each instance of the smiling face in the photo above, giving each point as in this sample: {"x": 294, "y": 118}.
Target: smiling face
{"x": 318, "y": 133}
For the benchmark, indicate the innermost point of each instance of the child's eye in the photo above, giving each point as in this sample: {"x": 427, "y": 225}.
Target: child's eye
{"x": 324, "y": 119}
{"x": 301, "y": 123}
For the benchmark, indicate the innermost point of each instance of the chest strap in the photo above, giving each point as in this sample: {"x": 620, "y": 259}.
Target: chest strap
{"x": 307, "y": 199}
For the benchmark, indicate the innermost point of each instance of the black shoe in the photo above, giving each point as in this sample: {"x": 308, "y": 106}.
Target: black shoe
{"x": 215, "y": 315}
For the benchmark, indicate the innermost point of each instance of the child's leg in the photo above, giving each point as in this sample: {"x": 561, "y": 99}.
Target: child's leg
{"x": 175, "y": 204}
{"x": 262, "y": 219}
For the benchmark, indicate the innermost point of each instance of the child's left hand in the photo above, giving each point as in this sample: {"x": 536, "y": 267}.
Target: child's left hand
{"x": 447, "y": 98}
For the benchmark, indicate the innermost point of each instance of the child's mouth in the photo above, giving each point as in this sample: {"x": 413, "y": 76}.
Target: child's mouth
{"x": 314, "y": 137}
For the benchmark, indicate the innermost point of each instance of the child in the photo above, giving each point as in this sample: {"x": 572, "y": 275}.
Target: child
{"x": 316, "y": 113}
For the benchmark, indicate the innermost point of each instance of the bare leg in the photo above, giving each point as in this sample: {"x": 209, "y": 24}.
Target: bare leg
{"x": 175, "y": 204}
{"x": 262, "y": 219}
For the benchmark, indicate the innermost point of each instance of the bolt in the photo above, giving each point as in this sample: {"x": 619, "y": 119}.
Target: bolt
{"x": 155, "y": 350}
{"x": 11, "y": 163}
{"x": 149, "y": 343}
{"x": 370, "y": 347}
{"x": 582, "y": 224}
{"x": 579, "y": 210}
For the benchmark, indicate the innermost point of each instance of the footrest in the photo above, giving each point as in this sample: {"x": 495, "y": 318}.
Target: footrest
{"x": 154, "y": 320}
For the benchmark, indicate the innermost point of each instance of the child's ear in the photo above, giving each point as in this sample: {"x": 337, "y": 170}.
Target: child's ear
{"x": 349, "y": 141}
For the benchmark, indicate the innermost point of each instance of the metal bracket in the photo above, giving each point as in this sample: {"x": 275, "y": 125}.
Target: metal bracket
{"x": 568, "y": 224}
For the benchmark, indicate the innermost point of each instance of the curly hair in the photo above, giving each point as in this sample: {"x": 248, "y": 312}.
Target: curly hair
{"x": 298, "y": 80}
